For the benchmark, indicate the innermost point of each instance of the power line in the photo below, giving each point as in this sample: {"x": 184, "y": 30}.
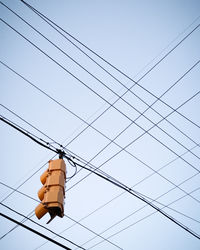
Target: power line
{"x": 133, "y": 121}
{"x": 154, "y": 200}
{"x": 82, "y": 224}
{"x": 130, "y": 191}
{"x": 50, "y": 22}
{"x": 129, "y": 144}
{"x": 98, "y": 235}
{"x": 35, "y": 232}
{"x": 57, "y": 143}
{"x": 67, "y": 216}
{"x": 146, "y": 131}
{"x": 145, "y": 217}
{"x": 57, "y": 151}
{"x": 183, "y": 145}
{"x": 98, "y": 154}
{"x": 119, "y": 97}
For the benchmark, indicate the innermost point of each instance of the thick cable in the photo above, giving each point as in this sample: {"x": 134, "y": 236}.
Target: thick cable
{"x": 35, "y": 232}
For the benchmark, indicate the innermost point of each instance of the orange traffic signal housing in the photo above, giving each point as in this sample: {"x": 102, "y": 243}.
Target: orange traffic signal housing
{"x": 53, "y": 191}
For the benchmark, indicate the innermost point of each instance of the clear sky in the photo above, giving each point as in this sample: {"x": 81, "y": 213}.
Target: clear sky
{"x": 162, "y": 164}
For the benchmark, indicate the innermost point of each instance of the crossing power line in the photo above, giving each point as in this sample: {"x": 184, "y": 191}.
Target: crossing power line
{"x": 112, "y": 181}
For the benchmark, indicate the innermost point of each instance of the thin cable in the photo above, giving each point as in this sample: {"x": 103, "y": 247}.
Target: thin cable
{"x": 28, "y": 134}
{"x": 67, "y": 216}
{"x": 119, "y": 97}
{"x": 152, "y": 200}
{"x": 71, "y": 162}
{"x": 141, "y": 181}
{"x": 129, "y": 144}
{"x": 15, "y": 227}
{"x": 130, "y": 191}
{"x": 122, "y": 149}
{"x": 97, "y": 154}
{"x": 112, "y": 141}
{"x": 92, "y": 51}
{"x": 29, "y": 219}
{"x": 120, "y": 231}
{"x": 146, "y": 131}
{"x": 34, "y": 127}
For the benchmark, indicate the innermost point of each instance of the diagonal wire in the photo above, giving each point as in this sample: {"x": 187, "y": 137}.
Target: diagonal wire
{"x": 119, "y": 97}
{"x": 67, "y": 216}
{"x": 41, "y": 226}
{"x": 67, "y": 71}
{"x": 50, "y": 22}
{"x": 147, "y": 216}
{"x": 98, "y": 153}
{"x": 132, "y": 192}
{"x": 129, "y": 144}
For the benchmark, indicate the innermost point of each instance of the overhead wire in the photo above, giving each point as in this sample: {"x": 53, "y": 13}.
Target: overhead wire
{"x": 132, "y": 224}
{"x": 68, "y": 144}
{"x": 79, "y": 80}
{"x": 60, "y": 104}
{"x": 59, "y": 235}
{"x": 146, "y": 131}
{"x": 122, "y": 193}
{"x": 29, "y": 24}
{"x": 50, "y": 22}
{"x": 78, "y": 222}
{"x": 130, "y": 191}
{"x": 74, "y": 165}
{"x": 129, "y": 144}
{"x": 55, "y": 234}
{"x": 35, "y": 232}
{"x": 154, "y": 200}
{"x": 119, "y": 97}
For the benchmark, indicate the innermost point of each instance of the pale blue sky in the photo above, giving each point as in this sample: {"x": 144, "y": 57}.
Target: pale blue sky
{"x": 133, "y": 36}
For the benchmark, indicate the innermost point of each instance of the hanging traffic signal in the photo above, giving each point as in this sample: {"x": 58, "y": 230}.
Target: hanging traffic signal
{"x": 53, "y": 191}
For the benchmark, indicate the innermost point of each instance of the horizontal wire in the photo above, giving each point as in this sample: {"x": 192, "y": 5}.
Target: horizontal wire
{"x": 158, "y": 173}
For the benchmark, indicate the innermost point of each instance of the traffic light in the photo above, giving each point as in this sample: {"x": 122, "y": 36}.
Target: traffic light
{"x": 53, "y": 191}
